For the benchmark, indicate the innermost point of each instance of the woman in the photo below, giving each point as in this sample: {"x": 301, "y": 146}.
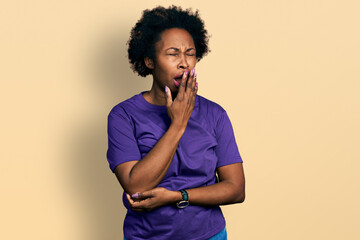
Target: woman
{"x": 166, "y": 145}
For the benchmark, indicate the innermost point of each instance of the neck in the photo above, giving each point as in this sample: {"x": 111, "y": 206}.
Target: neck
{"x": 157, "y": 95}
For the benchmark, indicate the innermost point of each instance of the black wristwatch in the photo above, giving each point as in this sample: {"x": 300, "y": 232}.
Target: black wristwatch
{"x": 185, "y": 200}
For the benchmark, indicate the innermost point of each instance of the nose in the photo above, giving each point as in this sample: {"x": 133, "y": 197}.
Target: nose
{"x": 183, "y": 64}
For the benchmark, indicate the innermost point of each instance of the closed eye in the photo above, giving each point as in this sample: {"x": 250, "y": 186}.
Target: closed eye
{"x": 176, "y": 54}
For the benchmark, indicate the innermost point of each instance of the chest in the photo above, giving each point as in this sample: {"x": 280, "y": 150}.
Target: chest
{"x": 195, "y": 154}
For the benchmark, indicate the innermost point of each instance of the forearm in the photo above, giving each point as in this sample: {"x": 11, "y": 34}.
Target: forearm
{"x": 230, "y": 189}
{"x": 221, "y": 193}
{"x": 147, "y": 173}
{"x": 217, "y": 194}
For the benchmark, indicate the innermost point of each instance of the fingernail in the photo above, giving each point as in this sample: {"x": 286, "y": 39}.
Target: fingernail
{"x": 186, "y": 73}
{"x": 135, "y": 195}
{"x": 166, "y": 89}
{"x": 193, "y": 71}
{"x": 196, "y": 84}
{"x": 195, "y": 75}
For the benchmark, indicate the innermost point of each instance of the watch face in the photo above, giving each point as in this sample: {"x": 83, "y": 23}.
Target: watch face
{"x": 183, "y": 204}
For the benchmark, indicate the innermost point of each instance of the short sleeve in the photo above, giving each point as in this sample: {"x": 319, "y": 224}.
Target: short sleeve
{"x": 226, "y": 150}
{"x": 122, "y": 144}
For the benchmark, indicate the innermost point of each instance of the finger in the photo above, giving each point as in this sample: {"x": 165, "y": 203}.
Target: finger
{"x": 137, "y": 208}
{"x": 195, "y": 92}
{"x": 190, "y": 84}
{"x": 130, "y": 201}
{"x": 168, "y": 97}
{"x": 195, "y": 84}
{"x": 148, "y": 194}
{"x": 143, "y": 205}
{"x": 128, "y": 197}
{"x": 143, "y": 195}
{"x": 136, "y": 196}
{"x": 133, "y": 204}
{"x": 183, "y": 83}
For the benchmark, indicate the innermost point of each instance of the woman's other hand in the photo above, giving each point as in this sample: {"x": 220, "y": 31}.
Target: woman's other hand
{"x": 181, "y": 108}
{"x": 154, "y": 198}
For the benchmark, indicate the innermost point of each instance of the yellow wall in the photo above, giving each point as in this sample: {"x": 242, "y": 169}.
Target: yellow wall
{"x": 287, "y": 72}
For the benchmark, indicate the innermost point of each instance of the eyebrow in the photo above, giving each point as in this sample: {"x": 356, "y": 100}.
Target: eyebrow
{"x": 176, "y": 49}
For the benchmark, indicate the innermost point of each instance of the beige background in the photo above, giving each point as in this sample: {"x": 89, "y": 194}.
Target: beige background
{"x": 287, "y": 72}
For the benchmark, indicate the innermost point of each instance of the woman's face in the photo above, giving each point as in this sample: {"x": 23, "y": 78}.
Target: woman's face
{"x": 174, "y": 54}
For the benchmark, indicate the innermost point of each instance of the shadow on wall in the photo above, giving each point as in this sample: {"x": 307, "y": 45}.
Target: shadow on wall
{"x": 97, "y": 194}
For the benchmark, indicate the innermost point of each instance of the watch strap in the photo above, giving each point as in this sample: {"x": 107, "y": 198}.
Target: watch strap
{"x": 185, "y": 200}
{"x": 185, "y": 196}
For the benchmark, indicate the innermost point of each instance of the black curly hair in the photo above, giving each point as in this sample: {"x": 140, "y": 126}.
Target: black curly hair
{"x": 153, "y": 22}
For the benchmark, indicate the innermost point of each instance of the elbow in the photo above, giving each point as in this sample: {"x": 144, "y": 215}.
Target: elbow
{"x": 129, "y": 190}
{"x": 239, "y": 195}
{"x": 236, "y": 197}
{"x": 241, "y": 192}
{"x": 134, "y": 189}
{"x": 236, "y": 194}
{"x": 129, "y": 184}
{"x": 241, "y": 198}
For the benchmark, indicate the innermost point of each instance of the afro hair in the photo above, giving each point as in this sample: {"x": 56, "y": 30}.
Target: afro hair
{"x": 148, "y": 29}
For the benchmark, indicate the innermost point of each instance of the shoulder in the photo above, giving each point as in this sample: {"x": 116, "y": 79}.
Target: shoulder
{"x": 210, "y": 109}
{"x": 208, "y": 105}
{"x": 124, "y": 109}
{"x": 210, "y": 112}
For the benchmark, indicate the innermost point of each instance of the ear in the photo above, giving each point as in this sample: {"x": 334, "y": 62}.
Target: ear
{"x": 149, "y": 62}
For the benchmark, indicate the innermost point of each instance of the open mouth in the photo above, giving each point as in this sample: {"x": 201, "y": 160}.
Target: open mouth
{"x": 177, "y": 79}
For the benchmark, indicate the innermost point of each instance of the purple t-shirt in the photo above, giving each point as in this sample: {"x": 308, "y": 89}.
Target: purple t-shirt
{"x": 135, "y": 126}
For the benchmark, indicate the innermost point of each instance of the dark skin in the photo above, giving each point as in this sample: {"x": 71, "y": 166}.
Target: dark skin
{"x": 175, "y": 54}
